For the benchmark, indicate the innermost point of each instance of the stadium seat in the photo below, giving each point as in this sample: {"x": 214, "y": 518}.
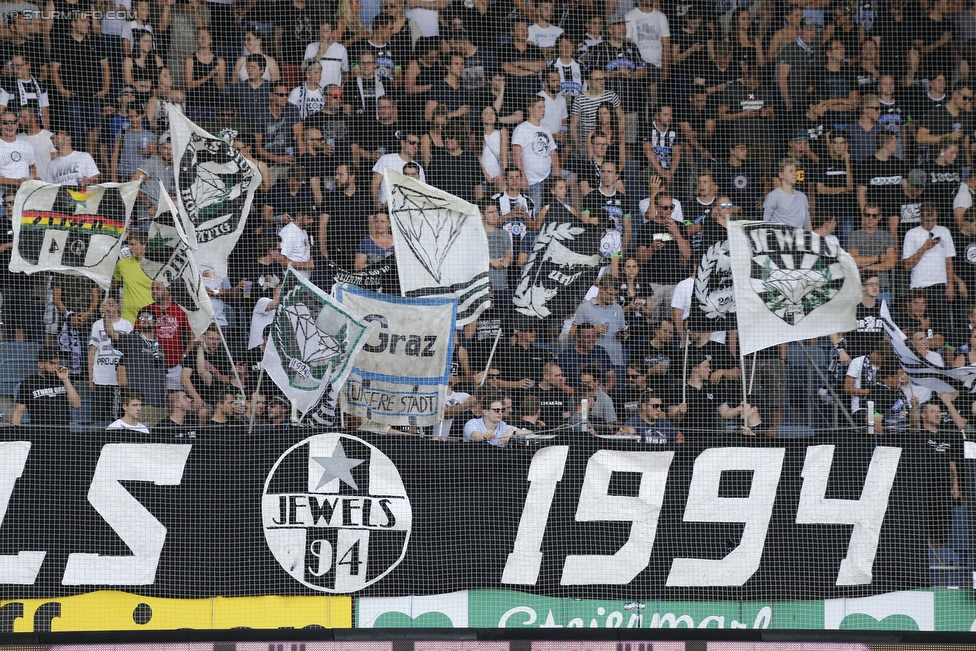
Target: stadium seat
{"x": 18, "y": 360}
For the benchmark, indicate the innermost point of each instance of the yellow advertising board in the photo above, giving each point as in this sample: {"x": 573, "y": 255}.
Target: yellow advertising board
{"x": 121, "y": 611}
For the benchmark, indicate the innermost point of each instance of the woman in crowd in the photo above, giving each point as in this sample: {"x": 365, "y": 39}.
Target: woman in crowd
{"x": 376, "y": 246}
{"x": 433, "y": 140}
{"x": 349, "y": 28}
{"x": 607, "y": 125}
{"x": 494, "y": 151}
{"x": 205, "y": 73}
{"x": 748, "y": 48}
{"x": 252, "y": 44}
{"x": 165, "y": 95}
{"x": 142, "y": 68}
{"x": 635, "y": 299}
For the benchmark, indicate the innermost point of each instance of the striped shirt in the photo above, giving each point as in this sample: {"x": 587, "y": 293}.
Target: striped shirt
{"x": 586, "y": 107}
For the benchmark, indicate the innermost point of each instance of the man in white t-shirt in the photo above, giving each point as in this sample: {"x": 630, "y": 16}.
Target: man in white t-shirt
{"x": 103, "y": 357}
{"x": 556, "y": 111}
{"x": 131, "y": 410}
{"x": 333, "y": 56}
{"x": 409, "y": 146}
{"x": 542, "y": 33}
{"x": 296, "y": 247}
{"x": 534, "y": 149}
{"x": 70, "y": 166}
{"x": 425, "y": 14}
{"x": 648, "y": 28}
{"x": 16, "y": 154}
{"x": 39, "y": 139}
{"x": 927, "y": 252}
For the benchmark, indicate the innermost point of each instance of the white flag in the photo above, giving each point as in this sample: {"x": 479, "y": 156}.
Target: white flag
{"x": 401, "y": 376}
{"x": 71, "y": 230}
{"x": 215, "y": 185}
{"x": 313, "y": 343}
{"x": 170, "y": 260}
{"x": 441, "y": 246}
{"x": 790, "y": 284}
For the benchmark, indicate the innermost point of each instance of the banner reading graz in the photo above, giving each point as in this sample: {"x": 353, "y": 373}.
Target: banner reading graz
{"x": 300, "y": 512}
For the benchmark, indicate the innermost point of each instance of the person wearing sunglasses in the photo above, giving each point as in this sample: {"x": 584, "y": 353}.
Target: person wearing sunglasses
{"x": 409, "y": 148}
{"x": 16, "y": 154}
{"x": 652, "y": 424}
{"x": 947, "y": 122}
{"x": 490, "y": 428}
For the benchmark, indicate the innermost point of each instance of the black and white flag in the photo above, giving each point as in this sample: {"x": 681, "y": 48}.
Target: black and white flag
{"x": 71, "y": 230}
{"x": 790, "y": 284}
{"x": 921, "y": 371}
{"x": 713, "y": 296}
{"x": 441, "y": 246}
{"x": 170, "y": 260}
{"x": 215, "y": 186}
{"x": 557, "y": 270}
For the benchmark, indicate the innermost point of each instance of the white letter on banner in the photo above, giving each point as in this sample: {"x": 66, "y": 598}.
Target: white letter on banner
{"x": 595, "y": 505}
{"x": 20, "y": 568}
{"x": 522, "y": 565}
{"x": 705, "y": 505}
{"x": 866, "y": 514}
{"x": 159, "y": 463}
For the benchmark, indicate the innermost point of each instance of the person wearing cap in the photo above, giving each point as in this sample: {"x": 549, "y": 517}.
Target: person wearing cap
{"x": 928, "y": 252}
{"x": 947, "y": 122}
{"x": 152, "y": 171}
{"x": 143, "y": 364}
{"x": 70, "y": 167}
{"x": 46, "y": 396}
{"x": 703, "y": 401}
{"x": 798, "y": 66}
{"x": 785, "y": 204}
{"x": 522, "y": 361}
{"x": 279, "y": 410}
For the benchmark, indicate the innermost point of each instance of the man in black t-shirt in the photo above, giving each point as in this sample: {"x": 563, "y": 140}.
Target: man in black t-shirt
{"x": 941, "y": 459}
{"x": 878, "y": 179}
{"x": 345, "y": 218}
{"x": 47, "y": 395}
{"x": 555, "y": 396}
{"x": 663, "y": 252}
{"x": 83, "y": 77}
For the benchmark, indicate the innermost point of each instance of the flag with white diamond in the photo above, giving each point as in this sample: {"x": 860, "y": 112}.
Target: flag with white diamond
{"x": 313, "y": 343}
{"x": 215, "y": 185}
{"x": 71, "y": 230}
{"x": 441, "y": 246}
{"x": 790, "y": 284}
{"x": 170, "y": 260}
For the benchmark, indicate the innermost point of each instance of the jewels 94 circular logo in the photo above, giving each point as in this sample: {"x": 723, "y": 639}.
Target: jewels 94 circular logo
{"x": 335, "y": 512}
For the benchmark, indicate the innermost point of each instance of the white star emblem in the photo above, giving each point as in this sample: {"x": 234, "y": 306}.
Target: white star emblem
{"x": 337, "y": 467}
